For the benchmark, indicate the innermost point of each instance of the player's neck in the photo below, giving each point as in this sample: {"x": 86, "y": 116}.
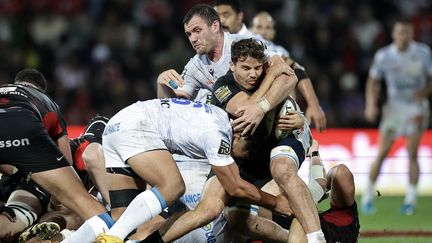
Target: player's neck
{"x": 216, "y": 54}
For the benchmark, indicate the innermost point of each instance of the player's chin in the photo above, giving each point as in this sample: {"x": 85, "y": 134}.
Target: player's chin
{"x": 200, "y": 50}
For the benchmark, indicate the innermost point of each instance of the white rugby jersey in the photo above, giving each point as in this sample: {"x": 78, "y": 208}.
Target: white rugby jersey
{"x": 405, "y": 73}
{"x": 196, "y": 130}
{"x": 201, "y": 73}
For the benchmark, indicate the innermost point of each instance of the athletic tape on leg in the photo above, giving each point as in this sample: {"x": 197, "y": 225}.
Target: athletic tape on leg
{"x": 159, "y": 197}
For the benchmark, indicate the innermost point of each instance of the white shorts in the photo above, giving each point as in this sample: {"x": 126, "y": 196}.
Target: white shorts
{"x": 404, "y": 118}
{"x": 129, "y": 133}
{"x": 194, "y": 173}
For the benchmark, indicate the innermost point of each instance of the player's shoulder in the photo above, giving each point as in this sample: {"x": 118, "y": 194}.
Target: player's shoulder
{"x": 193, "y": 62}
{"x": 421, "y": 47}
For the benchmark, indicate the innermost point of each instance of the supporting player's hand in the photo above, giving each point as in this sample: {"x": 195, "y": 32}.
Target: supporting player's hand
{"x": 249, "y": 117}
{"x": 283, "y": 206}
{"x": 171, "y": 79}
{"x": 315, "y": 114}
{"x": 371, "y": 113}
{"x": 294, "y": 120}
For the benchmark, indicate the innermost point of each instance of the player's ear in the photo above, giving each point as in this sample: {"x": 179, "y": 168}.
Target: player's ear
{"x": 216, "y": 25}
{"x": 232, "y": 66}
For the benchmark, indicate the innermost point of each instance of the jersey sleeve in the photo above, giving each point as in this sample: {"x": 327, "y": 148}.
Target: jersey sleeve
{"x": 191, "y": 85}
{"x": 224, "y": 89}
{"x": 218, "y": 142}
{"x": 428, "y": 61}
{"x": 54, "y": 122}
{"x": 376, "y": 70}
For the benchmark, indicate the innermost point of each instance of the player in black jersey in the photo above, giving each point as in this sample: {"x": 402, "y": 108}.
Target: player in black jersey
{"x": 34, "y": 140}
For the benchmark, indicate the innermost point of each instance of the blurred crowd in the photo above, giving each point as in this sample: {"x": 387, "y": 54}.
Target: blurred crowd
{"x": 101, "y": 55}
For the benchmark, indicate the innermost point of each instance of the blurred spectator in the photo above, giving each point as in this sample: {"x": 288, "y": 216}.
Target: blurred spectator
{"x": 101, "y": 55}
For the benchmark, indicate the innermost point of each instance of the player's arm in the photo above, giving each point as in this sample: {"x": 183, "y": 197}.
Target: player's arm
{"x": 372, "y": 92}
{"x": 235, "y": 186}
{"x": 7, "y": 169}
{"x": 252, "y": 113}
{"x": 314, "y": 111}
{"x": 168, "y": 83}
{"x": 64, "y": 147}
{"x": 426, "y": 92}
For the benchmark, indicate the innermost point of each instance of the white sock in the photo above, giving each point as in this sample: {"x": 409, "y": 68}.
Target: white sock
{"x": 368, "y": 194}
{"x": 411, "y": 195}
{"x": 87, "y": 233}
{"x": 316, "y": 237}
{"x": 144, "y": 207}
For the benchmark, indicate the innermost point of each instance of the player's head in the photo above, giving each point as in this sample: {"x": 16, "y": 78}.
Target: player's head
{"x": 96, "y": 126}
{"x": 31, "y": 77}
{"x": 247, "y": 63}
{"x": 230, "y": 14}
{"x": 202, "y": 26}
{"x": 402, "y": 33}
{"x": 263, "y": 24}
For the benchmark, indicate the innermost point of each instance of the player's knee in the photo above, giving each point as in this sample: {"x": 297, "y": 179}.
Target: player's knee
{"x": 91, "y": 156}
{"x": 342, "y": 173}
{"x": 208, "y": 211}
{"x": 174, "y": 190}
{"x": 283, "y": 168}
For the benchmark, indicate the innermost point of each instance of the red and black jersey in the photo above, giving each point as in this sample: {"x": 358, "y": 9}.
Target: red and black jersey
{"x": 78, "y": 146}
{"x": 44, "y": 108}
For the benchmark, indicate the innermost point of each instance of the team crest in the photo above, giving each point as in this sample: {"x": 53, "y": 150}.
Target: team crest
{"x": 224, "y": 148}
{"x": 222, "y": 93}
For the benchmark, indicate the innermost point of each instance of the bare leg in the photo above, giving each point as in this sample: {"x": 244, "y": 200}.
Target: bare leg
{"x": 94, "y": 160}
{"x": 413, "y": 144}
{"x": 296, "y": 233}
{"x": 256, "y": 227}
{"x": 341, "y": 181}
{"x": 66, "y": 187}
{"x": 385, "y": 142}
{"x": 159, "y": 169}
{"x": 209, "y": 208}
{"x": 284, "y": 173}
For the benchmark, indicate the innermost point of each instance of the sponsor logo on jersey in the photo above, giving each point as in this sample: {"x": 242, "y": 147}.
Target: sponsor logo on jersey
{"x": 210, "y": 237}
{"x": 224, "y": 148}
{"x": 112, "y": 128}
{"x": 14, "y": 143}
{"x": 191, "y": 198}
{"x": 222, "y": 93}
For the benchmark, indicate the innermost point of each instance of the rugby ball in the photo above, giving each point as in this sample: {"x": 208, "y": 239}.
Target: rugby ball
{"x": 288, "y": 105}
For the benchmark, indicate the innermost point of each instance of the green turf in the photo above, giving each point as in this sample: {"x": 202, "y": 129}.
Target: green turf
{"x": 388, "y": 217}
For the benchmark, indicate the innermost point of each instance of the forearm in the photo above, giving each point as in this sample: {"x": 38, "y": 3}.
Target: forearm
{"x": 279, "y": 90}
{"x": 254, "y": 195}
{"x": 272, "y": 74}
{"x": 164, "y": 91}
{"x": 64, "y": 147}
{"x": 372, "y": 91}
{"x": 306, "y": 89}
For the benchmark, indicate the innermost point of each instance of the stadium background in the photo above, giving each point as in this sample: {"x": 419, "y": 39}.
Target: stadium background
{"x": 101, "y": 55}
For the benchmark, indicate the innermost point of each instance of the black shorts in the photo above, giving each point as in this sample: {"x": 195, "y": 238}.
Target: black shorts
{"x": 25, "y": 143}
{"x": 18, "y": 181}
{"x": 337, "y": 224}
{"x": 341, "y": 224}
{"x": 295, "y": 144}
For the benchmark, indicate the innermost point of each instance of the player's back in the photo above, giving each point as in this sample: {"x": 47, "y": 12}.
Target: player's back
{"x": 189, "y": 128}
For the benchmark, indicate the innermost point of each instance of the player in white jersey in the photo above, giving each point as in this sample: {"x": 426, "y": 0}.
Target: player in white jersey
{"x": 142, "y": 136}
{"x": 213, "y": 48}
{"x": 263, "y": 24}
{"x": 406, "y": 67}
